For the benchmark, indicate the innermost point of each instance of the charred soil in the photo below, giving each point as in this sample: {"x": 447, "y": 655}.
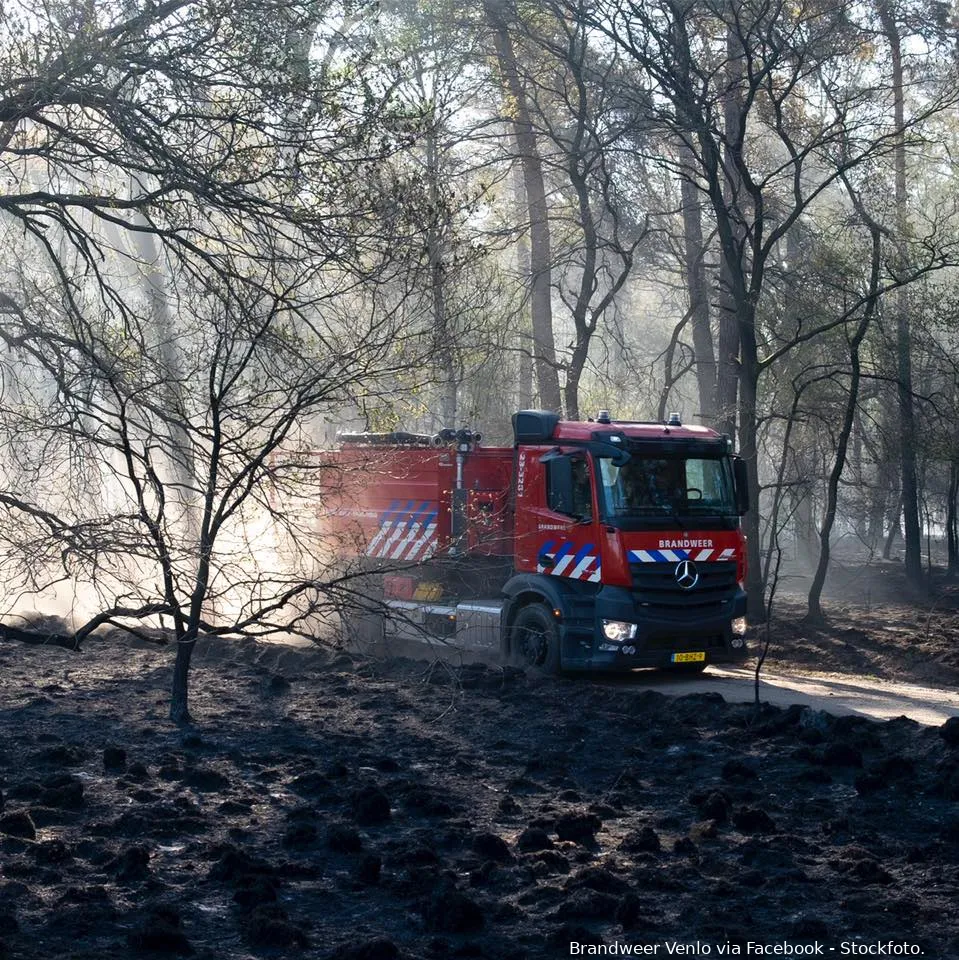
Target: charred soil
{"x": 323, "y": 808}
{"x": 875, "y": 626}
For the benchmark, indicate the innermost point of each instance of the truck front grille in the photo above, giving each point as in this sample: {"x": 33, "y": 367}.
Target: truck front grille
{"x": 655, "y": 588}
{"x": 679, "y": 642}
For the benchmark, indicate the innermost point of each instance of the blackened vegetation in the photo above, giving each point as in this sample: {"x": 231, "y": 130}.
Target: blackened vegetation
{"x": 387, "y": 813}
{"x": 40, "y": 634}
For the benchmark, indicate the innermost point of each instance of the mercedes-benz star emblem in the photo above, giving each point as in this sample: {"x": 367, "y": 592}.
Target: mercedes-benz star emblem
{"x": 686, "y": 574}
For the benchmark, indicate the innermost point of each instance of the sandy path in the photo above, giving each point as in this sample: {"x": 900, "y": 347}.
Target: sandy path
{"x": 848, "y": 694}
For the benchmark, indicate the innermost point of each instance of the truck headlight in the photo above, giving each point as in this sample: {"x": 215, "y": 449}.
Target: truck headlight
{"x": 619, "y": 630}
{"x": 739, "y": 626}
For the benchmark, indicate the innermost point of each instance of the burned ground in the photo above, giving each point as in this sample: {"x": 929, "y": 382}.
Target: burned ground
{"x": 877, "y": 626}
{"x": 322, "y": 808}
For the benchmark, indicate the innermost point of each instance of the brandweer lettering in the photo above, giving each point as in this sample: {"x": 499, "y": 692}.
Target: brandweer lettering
{"x": 683, "y": 544}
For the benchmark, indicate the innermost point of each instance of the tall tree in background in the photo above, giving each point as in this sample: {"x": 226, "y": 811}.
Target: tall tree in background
{"x": 697, "y": 284}
{"x": 870, "y": 298}
{"x": 501, "y": 17}
{"x": 737, "y": 335}
{"x": 444, "y": 180}
{"x": 591, "y": 148}
{"x": 904, "y": 391}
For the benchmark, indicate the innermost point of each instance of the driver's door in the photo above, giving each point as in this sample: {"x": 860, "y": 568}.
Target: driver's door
{"x": 566, "y": 544}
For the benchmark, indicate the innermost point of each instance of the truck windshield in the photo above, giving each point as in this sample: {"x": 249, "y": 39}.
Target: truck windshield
{"x": 665, "y": 486}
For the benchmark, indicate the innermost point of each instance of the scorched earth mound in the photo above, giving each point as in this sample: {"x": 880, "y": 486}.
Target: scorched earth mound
{"x": 322, "y": 808}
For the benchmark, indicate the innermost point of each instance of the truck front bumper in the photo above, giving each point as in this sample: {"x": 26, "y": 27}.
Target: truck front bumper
{"x": 684, "y": 636}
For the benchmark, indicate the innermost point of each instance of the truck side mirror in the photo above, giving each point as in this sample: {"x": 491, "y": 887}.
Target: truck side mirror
{"x": 741, "y": 479}
{"x": 559, "y": 482}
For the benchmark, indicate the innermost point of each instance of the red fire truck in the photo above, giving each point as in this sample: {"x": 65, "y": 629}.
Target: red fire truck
{"x": 588, "y": 546}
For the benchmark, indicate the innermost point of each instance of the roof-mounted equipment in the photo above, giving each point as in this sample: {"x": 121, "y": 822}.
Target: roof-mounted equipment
{"x": 534, "y": 426}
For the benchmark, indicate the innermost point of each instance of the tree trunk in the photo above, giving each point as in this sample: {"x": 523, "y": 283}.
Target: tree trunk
{"x": 894, "y": 516}
{"x": 855, "y": 459}
{"x": 731, "y": 265}
{"x": 884, "y": 454}
{"x": 525, "y": 372}
{"x": 574, "y": 374}
{"x": 524, "y": 342}
{"x": 583, "y": 323}
{"x": 907, "y": 440}
{"x": 547, "y": 376}
{"x": 186, "y": 482}
{"x": 738, "y": 361}
{"x": 442, "y": 335}
{"x": 806, "y": 539}
{"x": 907, "y": 419}
{"x": 669, "y": 376}
{"x": 695, "y": 264}
{"x": 749, "y": 451}
{"x": 952, "y": 521}
{"x": 180, "y": 692}
{"x": 877, "y": 511}
{"x": 740, "y": 286}
{"x": 727, "y": 378}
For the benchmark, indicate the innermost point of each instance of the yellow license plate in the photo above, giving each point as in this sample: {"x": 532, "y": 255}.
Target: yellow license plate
{"x": 688, "y": 657}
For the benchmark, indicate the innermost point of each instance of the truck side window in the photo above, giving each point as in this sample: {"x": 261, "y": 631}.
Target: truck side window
{"x": 568, "y": 487}
{"x": 582, "y": 494}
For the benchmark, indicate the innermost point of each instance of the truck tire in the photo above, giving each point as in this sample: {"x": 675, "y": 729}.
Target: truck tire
{"x": 534, "y": 640}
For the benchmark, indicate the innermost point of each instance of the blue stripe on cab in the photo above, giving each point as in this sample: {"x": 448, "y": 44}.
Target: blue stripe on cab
{"x": 543, "y": 550}
{"x": 581, "y": 553}
{"x": 563, "y": 550}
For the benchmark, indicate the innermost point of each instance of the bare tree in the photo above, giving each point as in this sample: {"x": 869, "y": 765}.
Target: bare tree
{"x": 246, "y": 188}
{"x": 871, "y": 296}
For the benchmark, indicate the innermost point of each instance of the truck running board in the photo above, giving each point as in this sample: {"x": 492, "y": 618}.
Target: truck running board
{"x": 473, "y": 625}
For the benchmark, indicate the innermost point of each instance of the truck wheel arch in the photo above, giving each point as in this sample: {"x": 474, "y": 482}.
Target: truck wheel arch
{"x": 536, "y": 637}
{"x": 521, "y": 591}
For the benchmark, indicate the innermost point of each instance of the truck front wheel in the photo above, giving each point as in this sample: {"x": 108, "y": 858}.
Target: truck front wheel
{"x": 534, "y": 641}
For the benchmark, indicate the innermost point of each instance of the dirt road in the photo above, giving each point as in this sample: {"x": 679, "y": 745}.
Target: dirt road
{"x": 840, "y": 695}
